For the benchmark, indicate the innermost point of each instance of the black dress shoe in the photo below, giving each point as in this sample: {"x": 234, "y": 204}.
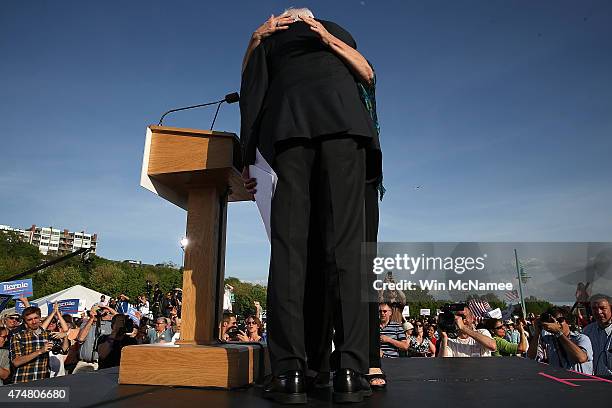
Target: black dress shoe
{"x": 287, "y": 388}
{"x": 350, "y": 386}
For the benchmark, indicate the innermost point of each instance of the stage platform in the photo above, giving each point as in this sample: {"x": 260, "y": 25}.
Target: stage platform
{"x": 413, "y": 382}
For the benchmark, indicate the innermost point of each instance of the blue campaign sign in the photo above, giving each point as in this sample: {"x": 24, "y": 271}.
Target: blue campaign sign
{"x": 131, "y": 312}
{"x": 19, "y": 306}
{"x": 17, "y": 288}
{"x": 69, "y": 306}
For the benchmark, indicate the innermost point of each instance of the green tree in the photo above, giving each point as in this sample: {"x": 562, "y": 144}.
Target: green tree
{"x": 15, "y": 255}
{"x": 55, "y": 279}
{"x": 535, "y": 305}
{"x": 107, "y": 278}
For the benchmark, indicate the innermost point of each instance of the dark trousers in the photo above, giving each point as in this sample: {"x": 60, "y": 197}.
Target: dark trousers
{"x": 323, "y": 178}
{"x": 318, "y": 309}
{"x": 371, "y": 225}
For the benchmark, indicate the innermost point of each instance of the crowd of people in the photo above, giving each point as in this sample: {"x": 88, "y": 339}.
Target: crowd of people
{"x": 32, "y": 348}
{"x": 576, "y": 341}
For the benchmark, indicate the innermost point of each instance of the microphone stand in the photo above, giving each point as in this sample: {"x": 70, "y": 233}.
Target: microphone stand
{"x": 229, "y": 98}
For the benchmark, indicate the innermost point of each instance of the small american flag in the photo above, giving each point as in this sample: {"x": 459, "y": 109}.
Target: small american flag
{"x": 479, "y": 309}
{"x": 512, "y": 296}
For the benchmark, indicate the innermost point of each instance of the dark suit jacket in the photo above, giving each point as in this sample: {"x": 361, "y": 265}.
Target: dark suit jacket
{"x": 295, "y": 87}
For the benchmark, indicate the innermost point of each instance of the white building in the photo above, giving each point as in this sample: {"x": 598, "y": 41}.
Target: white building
{"x": 50, "y": 240}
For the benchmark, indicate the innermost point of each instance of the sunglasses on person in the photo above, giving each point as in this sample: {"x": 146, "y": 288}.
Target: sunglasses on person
{"x": 560, "y": 319}
{"x": 384, "y": 311}
{"x": 14, "y": 318}
{"x": 499, "y": 327}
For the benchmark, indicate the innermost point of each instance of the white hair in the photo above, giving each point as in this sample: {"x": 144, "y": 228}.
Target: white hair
{"x": 297, "y": 12}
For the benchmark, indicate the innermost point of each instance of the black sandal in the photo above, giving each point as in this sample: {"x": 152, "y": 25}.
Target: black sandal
{"x": 377, "y": 387}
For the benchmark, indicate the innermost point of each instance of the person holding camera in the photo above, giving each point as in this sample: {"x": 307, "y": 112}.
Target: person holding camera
{"x": 469, "y": 342}
{"x": 506, "y": 348}
{"x": 29, "y": 348}
{"x": 563, "y": 348}
{"x": 252, "y": 331}
{"x": 110, "y": 345}
{"x": 98, "y": 323}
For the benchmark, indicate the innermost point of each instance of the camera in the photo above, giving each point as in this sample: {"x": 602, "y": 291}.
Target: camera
{"x": 57, "y": 346}
{"x": 446, "y": 319}
{"x": 232, "y": 333}
{"x": 546, "y": 317}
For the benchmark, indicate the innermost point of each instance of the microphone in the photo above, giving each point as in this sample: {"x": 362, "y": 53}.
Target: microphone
{"x": 229, "y": 98}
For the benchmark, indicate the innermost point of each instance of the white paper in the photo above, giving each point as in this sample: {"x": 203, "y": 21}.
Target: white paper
{"x": 406, "y": 311}
{"x": 495, "y": 313}
{"x": 266, "y": 184}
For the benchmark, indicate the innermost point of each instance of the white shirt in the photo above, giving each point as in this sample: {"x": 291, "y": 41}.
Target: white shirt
{"x": 601, "y": 341}
{"x": 467, "y": 347}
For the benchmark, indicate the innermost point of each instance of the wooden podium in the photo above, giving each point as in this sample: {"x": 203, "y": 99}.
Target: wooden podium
{"x": 198, "y": 170}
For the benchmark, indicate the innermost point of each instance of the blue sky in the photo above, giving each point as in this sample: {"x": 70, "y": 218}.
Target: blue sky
{"x": 501, "y": 110}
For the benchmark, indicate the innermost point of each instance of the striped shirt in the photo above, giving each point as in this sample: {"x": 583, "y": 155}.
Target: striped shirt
{"x": 396, "y": 332}
{"x": 26, "y": 342}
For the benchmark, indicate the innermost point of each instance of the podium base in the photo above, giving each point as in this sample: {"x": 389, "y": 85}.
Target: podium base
{"x": 228, "y": 365}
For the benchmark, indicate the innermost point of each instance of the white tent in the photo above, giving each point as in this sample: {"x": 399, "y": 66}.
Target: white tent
{"x": 87, "y": 298}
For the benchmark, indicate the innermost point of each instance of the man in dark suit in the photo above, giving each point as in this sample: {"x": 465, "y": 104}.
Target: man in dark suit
{"x": 301, "y": 108}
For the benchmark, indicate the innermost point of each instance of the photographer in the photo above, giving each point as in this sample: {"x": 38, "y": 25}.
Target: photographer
{"x": 98, "y": 323}
{"x": 110, "y": 346}
{"x": 252, "y": 331}
{"x": 29, "y": 349}
{"x": 563, "y": 348}
{"x": 506, "y": 348}
{"x": 469, "y": 342}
